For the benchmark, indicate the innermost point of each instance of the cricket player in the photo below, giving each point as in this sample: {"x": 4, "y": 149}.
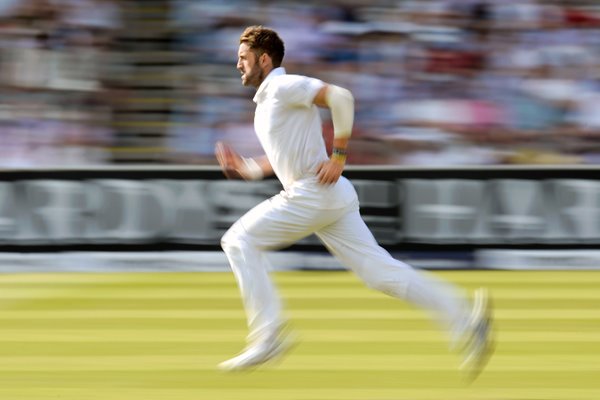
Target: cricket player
{"x": 317, "y": 199}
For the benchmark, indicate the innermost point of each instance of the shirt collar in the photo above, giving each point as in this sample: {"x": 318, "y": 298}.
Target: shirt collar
{"x": 275, "y": 72}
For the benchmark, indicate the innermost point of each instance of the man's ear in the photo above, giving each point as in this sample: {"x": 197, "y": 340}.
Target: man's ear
{"x": 264, "y": 59}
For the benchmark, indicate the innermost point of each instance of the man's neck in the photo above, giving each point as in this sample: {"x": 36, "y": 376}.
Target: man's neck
{"x": 264, "y": 75}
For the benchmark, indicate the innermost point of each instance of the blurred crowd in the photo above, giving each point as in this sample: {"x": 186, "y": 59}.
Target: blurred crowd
{"x": 436, "y": 82}
{"x": 54, "y": 71}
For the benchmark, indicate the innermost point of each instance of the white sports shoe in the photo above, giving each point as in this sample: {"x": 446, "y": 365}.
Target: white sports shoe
{"x": 261, "y": 351}
{"x": 479, "y": 345}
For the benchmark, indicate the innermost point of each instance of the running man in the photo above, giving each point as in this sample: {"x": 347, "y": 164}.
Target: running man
{"x": 317, "y": 199}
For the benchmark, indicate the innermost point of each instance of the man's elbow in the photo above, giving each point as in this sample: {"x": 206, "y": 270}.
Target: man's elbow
{"x": 337, "y": 94}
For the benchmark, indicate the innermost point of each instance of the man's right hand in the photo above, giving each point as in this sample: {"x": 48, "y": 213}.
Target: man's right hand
{"x": 230, "y": 161}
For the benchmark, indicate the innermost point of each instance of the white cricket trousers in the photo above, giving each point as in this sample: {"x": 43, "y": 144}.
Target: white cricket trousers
{"x": 280, "y": 221}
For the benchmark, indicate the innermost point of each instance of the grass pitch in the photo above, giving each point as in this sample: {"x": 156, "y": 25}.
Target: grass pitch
{"x": 159, "y": 336}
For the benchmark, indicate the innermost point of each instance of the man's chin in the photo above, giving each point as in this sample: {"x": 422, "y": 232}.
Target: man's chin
{"x": 246, "y": 81}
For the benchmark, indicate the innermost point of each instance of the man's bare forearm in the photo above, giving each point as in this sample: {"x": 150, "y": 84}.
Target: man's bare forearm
{"x": 265, "y": 165}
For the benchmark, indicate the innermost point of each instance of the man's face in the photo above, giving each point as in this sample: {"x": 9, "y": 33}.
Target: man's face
{"x": 248, "y": 65}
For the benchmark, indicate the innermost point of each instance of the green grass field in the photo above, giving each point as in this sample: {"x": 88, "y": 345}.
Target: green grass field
{"x": 159, "y": 336}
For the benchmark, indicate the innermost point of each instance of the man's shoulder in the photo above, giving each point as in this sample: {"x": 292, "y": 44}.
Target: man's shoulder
{"x": 290, "y": 79}
{"x": 285, "y": 84}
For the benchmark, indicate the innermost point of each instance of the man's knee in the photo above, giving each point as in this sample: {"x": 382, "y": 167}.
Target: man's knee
{"x": 230, "y": 239}
{"x": 236, "y": 238}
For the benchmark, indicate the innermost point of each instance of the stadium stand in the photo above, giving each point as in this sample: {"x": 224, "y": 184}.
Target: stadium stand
{"x": 438, "y": 82}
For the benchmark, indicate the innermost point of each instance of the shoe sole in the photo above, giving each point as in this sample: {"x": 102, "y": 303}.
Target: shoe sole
{"x": 285, "y": 342}
{"x": 475, "y": 364}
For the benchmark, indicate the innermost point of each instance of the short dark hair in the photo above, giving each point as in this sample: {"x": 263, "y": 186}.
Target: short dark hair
{"x": 264, "y": 40}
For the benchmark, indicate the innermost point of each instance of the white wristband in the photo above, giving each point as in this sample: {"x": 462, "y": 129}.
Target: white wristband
{"x": 252, "y": 170}
{"x": 341, "y": 104}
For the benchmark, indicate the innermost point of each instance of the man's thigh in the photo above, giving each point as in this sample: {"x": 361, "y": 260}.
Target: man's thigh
{"x": 277, "y": 222}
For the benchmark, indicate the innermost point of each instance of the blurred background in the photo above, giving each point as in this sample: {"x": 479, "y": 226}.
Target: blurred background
{"x": 437, "y": 82}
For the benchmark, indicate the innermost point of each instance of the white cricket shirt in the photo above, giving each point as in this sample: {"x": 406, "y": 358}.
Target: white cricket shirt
{"x": 289, "y": 128}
